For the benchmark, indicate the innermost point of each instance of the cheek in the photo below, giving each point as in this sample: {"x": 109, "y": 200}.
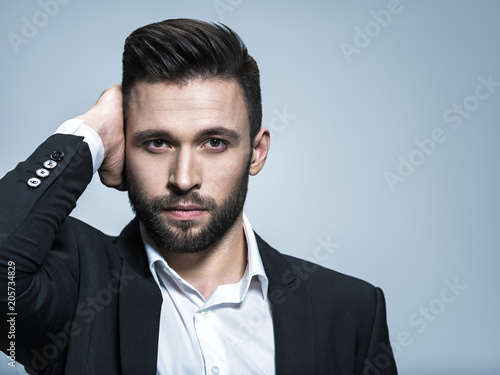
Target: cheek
{"x": 143, "y": 174}
{"x": 225, "y": 176}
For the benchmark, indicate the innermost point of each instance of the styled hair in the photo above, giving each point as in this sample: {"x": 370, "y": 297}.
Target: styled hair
{"x": 178, "y": 50}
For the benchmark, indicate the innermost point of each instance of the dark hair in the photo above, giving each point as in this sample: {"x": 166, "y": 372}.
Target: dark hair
{"x": 178, "y": 50}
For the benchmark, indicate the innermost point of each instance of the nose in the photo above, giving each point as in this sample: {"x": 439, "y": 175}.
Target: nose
{"x": 184, "y": 173}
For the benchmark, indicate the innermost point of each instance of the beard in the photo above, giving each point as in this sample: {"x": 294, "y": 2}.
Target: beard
{"x": 183, "y": 237}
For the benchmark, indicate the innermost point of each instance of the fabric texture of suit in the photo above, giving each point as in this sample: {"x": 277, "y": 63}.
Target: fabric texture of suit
{"x": 87, "y": 303}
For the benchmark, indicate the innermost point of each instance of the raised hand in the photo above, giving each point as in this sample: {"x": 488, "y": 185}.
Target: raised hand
{"x": 106, "y": 118}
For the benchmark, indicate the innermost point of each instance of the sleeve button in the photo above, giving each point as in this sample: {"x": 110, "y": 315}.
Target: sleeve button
{"x": 57, "y": 155}
{"x": 50, "y": 164}
{"x": 42, "y": 173}
{"x": 34, "y": 182}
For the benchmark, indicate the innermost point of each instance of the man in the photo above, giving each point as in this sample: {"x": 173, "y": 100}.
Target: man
{"x": 187, "y": 287}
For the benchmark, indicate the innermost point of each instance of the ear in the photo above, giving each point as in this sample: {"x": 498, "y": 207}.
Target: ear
{"x": 260, "y": 149}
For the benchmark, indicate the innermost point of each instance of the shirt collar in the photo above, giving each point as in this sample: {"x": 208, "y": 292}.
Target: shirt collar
{"x": 255, "y": 266}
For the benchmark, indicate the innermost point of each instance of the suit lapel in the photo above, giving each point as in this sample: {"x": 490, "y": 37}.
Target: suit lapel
{"x": 139, "y": 306}
{"x": 292, "y": 313}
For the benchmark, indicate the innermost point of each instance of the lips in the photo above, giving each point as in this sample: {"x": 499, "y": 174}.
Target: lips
{"x": 185, "y": 212}
{"x": 185, "y": 207}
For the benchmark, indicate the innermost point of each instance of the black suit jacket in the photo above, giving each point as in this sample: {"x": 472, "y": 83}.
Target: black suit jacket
{"x": 86, "y": 303}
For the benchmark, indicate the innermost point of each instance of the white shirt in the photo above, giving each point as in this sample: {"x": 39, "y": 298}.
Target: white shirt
{"x": 230, "y": 333}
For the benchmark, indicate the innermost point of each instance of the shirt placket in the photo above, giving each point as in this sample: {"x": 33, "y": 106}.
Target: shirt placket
{"x": 212, "y": 346}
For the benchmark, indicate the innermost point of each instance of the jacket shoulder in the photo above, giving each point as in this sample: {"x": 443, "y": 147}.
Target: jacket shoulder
{"x": 329, "y": 282}
{"x": 331, "y": 285}
{"x": 321, "y": 275}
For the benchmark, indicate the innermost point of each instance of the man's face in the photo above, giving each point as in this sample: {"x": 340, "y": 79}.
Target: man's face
{"x": 188, "y": 156}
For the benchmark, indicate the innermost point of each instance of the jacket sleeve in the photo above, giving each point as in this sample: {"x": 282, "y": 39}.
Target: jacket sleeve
{"x": 379, "y": 359}
{"x": 39, "y": 270}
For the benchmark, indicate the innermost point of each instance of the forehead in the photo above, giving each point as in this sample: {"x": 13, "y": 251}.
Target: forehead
{"x": 189, "y": 106}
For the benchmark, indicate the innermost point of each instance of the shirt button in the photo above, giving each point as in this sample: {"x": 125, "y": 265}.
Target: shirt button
{"x": 57, "y": 155}
{"x": 215, "y": 370}
{"x": 50, "y": 164}
{"x": 206, "y": 314}
{"x": 33, "y": 182}
{"x": 42, "y": 172}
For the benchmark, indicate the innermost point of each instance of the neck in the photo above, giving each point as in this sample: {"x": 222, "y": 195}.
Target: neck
{"x": 223, "y": 263}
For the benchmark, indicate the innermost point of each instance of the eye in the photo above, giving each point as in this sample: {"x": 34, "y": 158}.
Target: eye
{"x": 216, "y": 144}
{"x": 156, "y": 144}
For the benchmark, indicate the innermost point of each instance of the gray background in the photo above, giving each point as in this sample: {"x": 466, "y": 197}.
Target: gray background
{"x": 349, "y": 121}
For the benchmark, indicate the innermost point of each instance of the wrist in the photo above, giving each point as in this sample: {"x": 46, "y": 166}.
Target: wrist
{"x": 78, "y": 127}
{"x": 93, "y": 121}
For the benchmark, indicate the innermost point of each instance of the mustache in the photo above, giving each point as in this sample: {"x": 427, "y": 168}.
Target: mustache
{"x": 192, "y": 197}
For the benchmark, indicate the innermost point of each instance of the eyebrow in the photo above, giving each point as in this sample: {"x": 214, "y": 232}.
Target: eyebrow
{"x": 209, "y": 132}
{"x": 150, "y": 134}
{"x": 219, "y": 131}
